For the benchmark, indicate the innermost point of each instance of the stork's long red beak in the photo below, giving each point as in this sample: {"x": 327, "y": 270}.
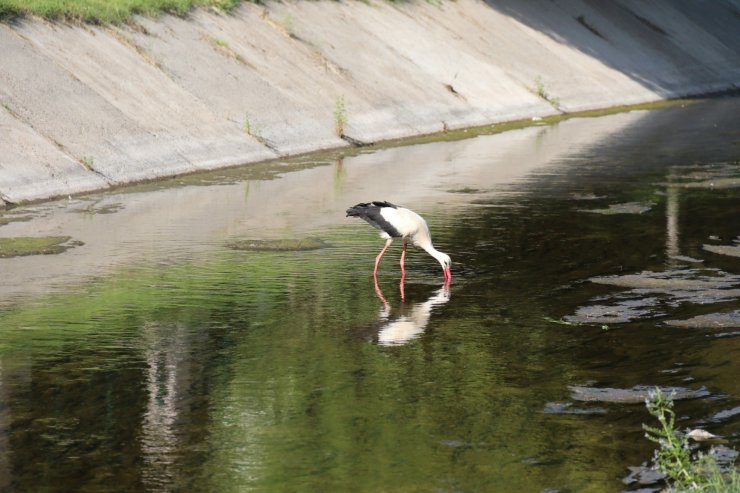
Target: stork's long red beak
{"x": 448, "y": 275}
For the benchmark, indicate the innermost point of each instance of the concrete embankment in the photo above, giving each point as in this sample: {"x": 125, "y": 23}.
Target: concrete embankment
{"x": 88, "y": 107}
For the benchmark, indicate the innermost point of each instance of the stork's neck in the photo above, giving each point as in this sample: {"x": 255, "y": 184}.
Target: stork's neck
{"x": 434, "y": 252}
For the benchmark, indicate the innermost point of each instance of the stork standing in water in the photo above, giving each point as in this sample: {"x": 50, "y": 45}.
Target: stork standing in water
{"x": 393, "y": 222}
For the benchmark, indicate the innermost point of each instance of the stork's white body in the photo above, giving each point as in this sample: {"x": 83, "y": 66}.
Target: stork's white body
{"x": 399, "y": 222}
{"x": 408, "y": 223}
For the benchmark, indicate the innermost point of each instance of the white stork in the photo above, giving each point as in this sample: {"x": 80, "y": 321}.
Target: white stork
{"x": 394, "y": 221}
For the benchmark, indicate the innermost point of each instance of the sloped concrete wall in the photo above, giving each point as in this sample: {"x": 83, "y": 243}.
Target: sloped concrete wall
{"x": 87, "y": 107}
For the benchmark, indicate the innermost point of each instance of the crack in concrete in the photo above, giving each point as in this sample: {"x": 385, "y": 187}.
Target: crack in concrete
{"x": 355, "y": 142}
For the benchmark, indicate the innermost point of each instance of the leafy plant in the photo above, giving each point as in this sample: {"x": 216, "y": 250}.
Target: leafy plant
{"x": 88, "y": 162}
{"x": 251, "y": 129}
{"x": 110, "y": 11}
{"x": 684, "y": 471}
{"x": 288, "y": 25}
{"x": 540, "y": 91}
{"x": 340, "y": 115}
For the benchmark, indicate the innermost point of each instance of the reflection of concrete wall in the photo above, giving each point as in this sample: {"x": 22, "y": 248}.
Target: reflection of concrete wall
{"x": 89, "y": 106}
{"x": 168, "y": 224}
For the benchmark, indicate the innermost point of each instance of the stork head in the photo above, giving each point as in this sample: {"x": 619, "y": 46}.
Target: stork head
{"x": 445, "y": 262}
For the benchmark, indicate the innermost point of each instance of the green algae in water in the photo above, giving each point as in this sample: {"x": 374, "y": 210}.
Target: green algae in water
{"x": 103, "y": 209}
{"x": 35, "y": 245}
{"x": 279, "y": 245}
{"x": 10, "y": 219}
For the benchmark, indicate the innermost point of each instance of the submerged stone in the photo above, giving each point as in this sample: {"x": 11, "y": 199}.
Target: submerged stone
{"x": 685, "y": 258}
{"x": 586, "y": 196}
{"x": 626, "y": 208}
{"x": 644, "y": 475}
{"x": 567, "y": 408}
{"x": 465, "y": 190}
{"x": 35, "y": 245}
{"x": 10, "y": 219}
{"x": 636, "y": 395}
{"x": 103, "y": 209}
{"x": 279, "y": 245}
{"x": 679, "y": 279}
{"x": 621, "y": 312}
{"x": 715, "y": 176}
{"x": 729, "y": 250}
{"x": 725, "y": 456}
{"x": 725, "y": 414}
{"x": 699, "y": 286}
{"x": 727, "y": 320}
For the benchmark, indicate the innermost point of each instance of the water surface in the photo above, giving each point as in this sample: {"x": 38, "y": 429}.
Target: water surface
{"x": 592, "y": 259}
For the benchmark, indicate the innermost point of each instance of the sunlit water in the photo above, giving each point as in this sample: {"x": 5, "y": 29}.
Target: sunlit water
{"x": 588, "y": 255}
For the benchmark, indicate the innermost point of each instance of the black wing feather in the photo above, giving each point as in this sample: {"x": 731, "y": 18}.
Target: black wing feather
{"x": 370, "y": 212}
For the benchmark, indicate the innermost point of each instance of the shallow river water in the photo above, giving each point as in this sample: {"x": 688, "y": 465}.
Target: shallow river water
{"x": 223, "y": 333}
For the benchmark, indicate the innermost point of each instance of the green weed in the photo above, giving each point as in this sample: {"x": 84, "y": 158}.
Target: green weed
{"x": 684, "y": 470}
{"x": 340, "y": 115}
{"x": 88, "y": 162}
{"x": 103, "y": 12}
{"x": 540, "y": 91}
{"x": 223, "y": 46}
{"x": 250, "y": 129}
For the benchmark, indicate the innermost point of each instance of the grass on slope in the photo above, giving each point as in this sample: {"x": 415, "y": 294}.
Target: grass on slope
{"x": 102, "y": 11}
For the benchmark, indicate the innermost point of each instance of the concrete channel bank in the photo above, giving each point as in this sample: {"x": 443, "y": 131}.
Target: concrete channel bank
{"x": 87, "y": 107}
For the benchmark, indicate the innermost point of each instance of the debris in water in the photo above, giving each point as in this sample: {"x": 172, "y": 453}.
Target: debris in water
{"x": 700, "y": 435}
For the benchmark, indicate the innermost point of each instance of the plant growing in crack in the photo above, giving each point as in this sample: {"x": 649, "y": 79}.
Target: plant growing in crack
{"x": 251, "y": 129}
{"x": 340, "y": 115}
{"x": 223, "y": 46}
{"x": 286, "y": 22}
{"x": 88, "y": 162}
{"x": 541, "y": 92}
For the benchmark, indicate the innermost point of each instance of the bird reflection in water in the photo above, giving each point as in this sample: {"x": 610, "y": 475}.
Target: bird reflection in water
{"x": 407, "y": 322}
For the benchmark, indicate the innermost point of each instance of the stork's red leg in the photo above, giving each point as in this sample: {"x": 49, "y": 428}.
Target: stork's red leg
{"x": 380, "y": 293}
{"x": 380, "y": 255}
{"x": 403, "y": 259}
